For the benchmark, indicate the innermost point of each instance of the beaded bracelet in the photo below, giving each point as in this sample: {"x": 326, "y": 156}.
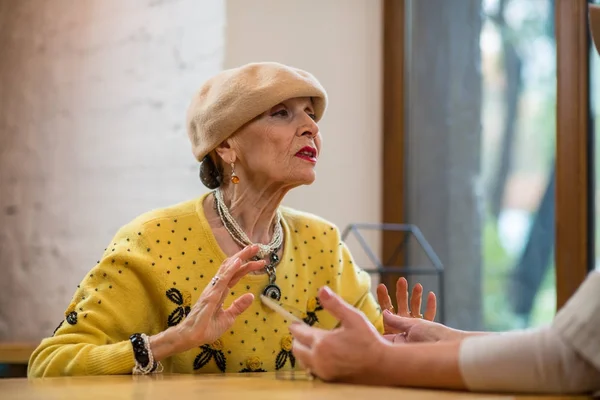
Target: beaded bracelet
{"x": 144, "y": 360}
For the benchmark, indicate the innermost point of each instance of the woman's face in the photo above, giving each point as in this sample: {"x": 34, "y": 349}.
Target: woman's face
{"x": 279, "y": 147}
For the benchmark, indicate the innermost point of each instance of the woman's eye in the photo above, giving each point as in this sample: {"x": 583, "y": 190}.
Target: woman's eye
{"x": 281, "y": 113}
{"x": 313, "y": 116}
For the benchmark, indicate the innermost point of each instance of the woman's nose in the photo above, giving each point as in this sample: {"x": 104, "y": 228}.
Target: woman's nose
{"x": 309, "y": 128}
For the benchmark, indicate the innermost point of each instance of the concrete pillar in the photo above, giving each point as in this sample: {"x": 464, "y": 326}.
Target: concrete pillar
{"x": 92, "y": 133}
{"x": 444, "y": 197}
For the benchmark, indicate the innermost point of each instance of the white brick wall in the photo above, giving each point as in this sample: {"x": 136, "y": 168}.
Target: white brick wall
{"x": 93, "y": 95}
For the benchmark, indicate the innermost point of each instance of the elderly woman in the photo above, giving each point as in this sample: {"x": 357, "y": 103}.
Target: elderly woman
{"x": 179, "y": 287}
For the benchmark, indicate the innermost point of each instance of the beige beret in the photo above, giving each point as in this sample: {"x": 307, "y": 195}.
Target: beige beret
{"x": 235, "y": 96}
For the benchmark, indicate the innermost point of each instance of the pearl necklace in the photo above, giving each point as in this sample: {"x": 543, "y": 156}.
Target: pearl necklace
{"x": 239, "y": 236}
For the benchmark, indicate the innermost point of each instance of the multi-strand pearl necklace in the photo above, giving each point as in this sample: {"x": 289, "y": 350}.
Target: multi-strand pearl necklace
{"x": 240, "y": 237}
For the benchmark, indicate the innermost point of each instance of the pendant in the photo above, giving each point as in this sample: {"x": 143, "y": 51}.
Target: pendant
{"x": 272, "y": 291}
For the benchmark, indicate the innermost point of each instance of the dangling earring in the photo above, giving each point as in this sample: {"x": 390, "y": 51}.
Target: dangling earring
{"x": 234, "y": 178}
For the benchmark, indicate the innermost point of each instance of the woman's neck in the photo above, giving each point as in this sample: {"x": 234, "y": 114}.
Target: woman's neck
{"x": 253, "y": 210}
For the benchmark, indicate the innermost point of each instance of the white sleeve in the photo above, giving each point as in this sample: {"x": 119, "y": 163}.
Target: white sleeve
{"x": 535, "y": 361}
{"x": 578, "y": 322}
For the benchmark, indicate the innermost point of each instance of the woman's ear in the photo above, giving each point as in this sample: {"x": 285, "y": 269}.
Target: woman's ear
{"x": 226, "y": 152}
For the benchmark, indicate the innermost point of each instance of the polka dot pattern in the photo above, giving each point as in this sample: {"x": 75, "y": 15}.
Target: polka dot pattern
{"x": 156, "y": 268}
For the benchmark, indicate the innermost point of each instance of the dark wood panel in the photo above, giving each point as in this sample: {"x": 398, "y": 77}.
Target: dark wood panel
{"x": 573, "y": 211}
{"x": 393, "y": 127}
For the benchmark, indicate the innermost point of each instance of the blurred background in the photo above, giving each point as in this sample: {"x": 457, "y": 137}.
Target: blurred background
{"x": 93, "y": 96}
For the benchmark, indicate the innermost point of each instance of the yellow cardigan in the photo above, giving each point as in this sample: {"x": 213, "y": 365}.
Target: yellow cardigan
{"x": 155, "y": 269}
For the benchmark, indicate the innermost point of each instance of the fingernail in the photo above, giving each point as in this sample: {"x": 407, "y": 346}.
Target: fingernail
{"x": 387, "y": 312}
{"x": 326, "y": 292}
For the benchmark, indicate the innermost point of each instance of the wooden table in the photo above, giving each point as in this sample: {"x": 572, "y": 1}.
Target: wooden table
{"x": 16, "y": 353}
{"x": 238, "y": 386}
{"x": 14, "y": 358}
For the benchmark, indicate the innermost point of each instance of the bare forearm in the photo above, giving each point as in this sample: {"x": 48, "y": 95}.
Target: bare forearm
{"x": 426, "y": 365}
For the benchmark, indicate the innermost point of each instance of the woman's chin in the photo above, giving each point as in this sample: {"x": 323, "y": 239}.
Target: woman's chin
{"x": 309, "y": 178}
{"x": 303, "y": 180}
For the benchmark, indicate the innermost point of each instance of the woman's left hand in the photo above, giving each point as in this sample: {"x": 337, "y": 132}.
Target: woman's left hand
{"x": 349, "y": 353}
{"x": 405, "y": 309}
{"x": 416, "y": 330}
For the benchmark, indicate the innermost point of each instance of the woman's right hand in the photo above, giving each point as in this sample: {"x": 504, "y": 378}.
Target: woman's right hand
{"x": 207, "y": 320}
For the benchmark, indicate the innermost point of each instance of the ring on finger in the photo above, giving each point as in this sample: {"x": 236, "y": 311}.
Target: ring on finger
{"x": 416, "y": 316}
{"x": 214, "y": 280}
